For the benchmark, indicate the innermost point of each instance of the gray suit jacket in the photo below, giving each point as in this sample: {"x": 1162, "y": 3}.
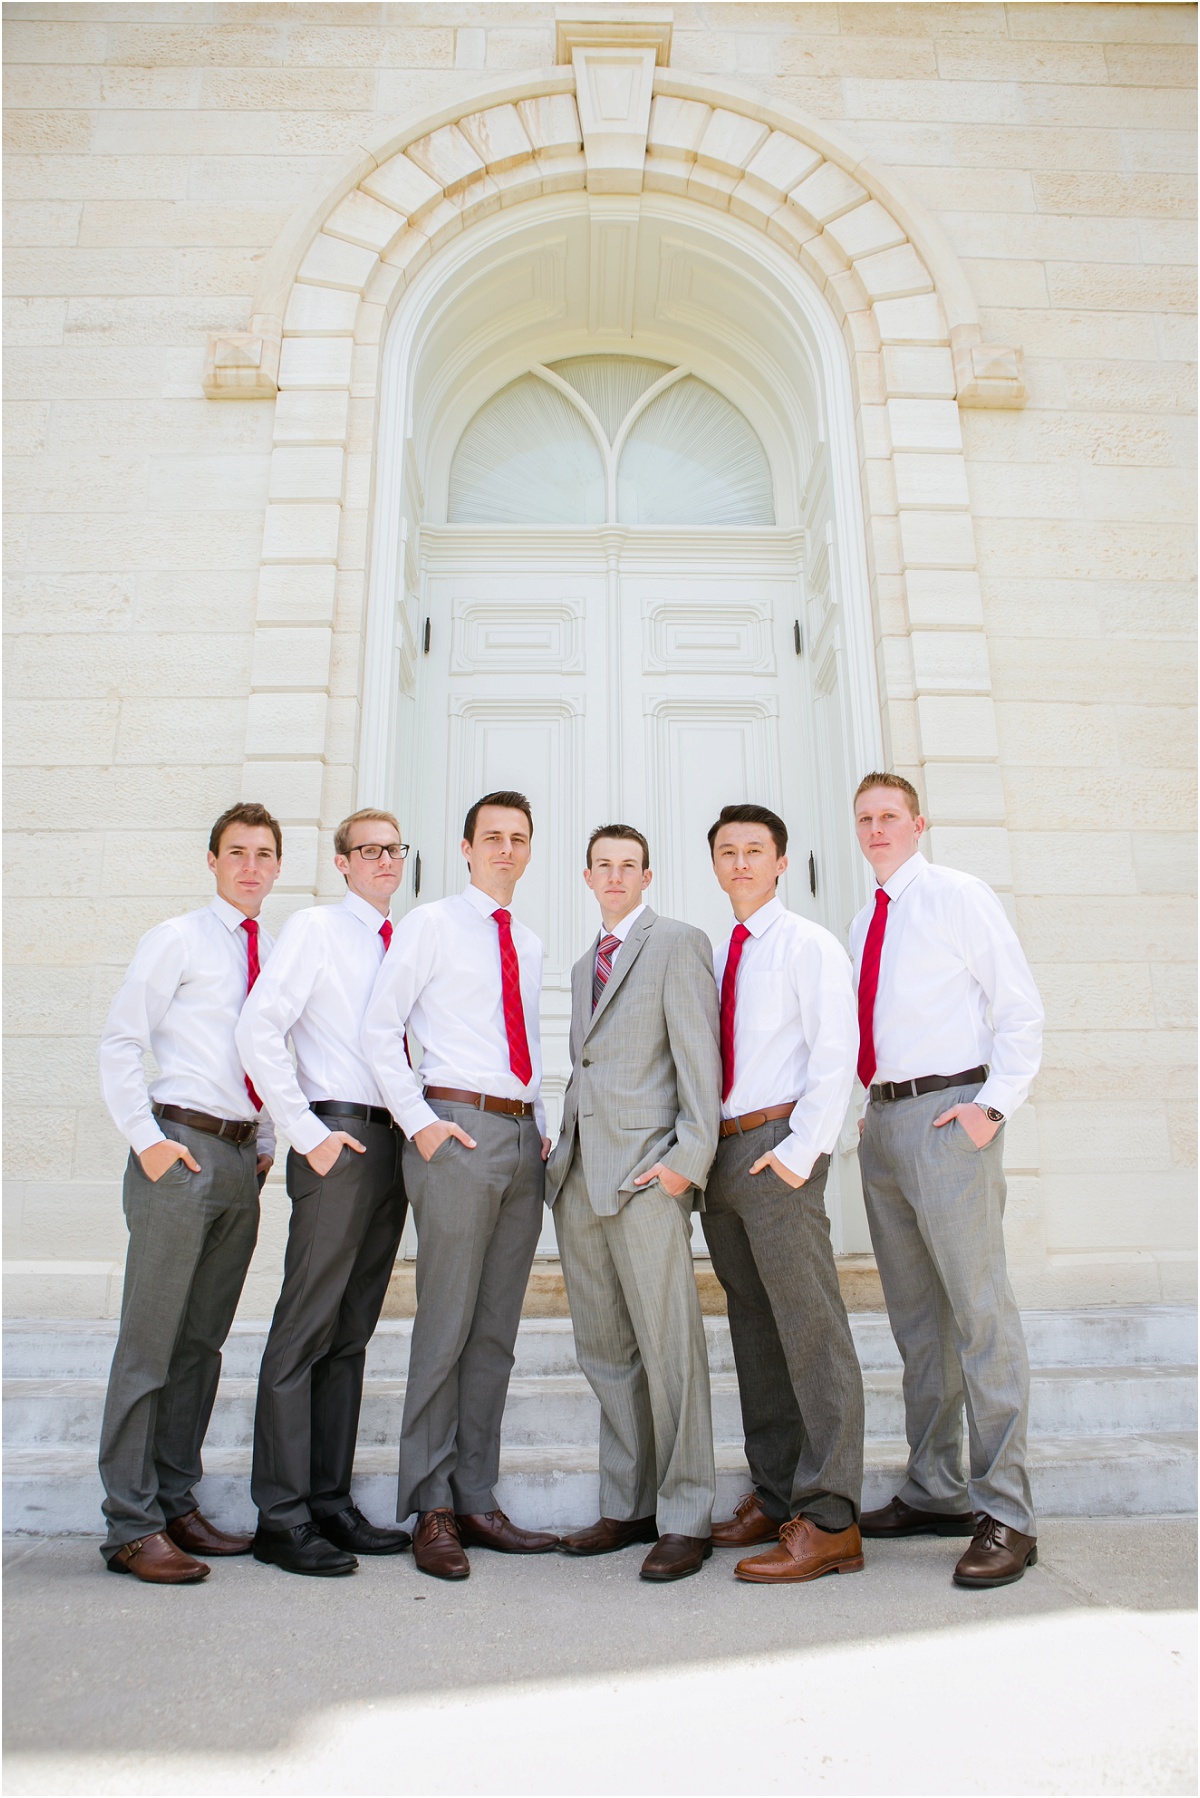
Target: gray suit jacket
{"x": 645, "y": 1080}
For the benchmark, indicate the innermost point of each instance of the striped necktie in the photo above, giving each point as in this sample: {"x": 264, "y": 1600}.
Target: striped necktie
{"x": 604, "y": 960}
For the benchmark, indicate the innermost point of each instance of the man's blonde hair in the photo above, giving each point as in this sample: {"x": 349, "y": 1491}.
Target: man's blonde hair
{"x": 912, "y": 797}
{"x": 341, "y": 836}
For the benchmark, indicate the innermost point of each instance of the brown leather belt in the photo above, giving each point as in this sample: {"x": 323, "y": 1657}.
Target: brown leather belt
{"x": 754, "y": 1120}
{"x": 239, "y": 1131}
{"x": 886, "y": 1092}
{"x": 453, "y": 1095}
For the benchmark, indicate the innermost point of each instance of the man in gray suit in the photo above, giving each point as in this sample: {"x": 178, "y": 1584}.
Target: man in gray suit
{"x": 639, "y": 1133}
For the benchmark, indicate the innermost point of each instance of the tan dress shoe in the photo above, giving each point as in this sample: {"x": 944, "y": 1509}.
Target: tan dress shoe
{"x": 674, "y": 1557}
{"x": 492, "y": 1529}
{"x": 997, "y": 1556}
{"x": 200, "y": 1537}
{"x": 748, "y": 1525}
{"x": 805, "y": 1552}
{"x": 156, "y": 1560}
{"x": 436, "y": 1547}
{"x": 609, "y": 1535}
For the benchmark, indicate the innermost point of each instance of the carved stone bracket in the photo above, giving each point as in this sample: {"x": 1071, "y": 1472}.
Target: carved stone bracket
{"x": 244, "y": 365}
{"x": 986, "y": 374}
{"x": 613, "y": 89}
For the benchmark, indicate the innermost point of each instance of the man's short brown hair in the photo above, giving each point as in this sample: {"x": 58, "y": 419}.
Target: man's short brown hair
{"x": 752, "y": 814}
{"x": 911, "y": 796}
{"x": 513, "y": 802}
{"x": 341, "y": 836}
{"x": 620, "y": 833}
{"x": 247, "y": 812}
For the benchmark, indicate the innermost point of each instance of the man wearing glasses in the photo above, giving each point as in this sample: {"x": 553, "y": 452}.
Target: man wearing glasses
{"x": 348, "y": 1207}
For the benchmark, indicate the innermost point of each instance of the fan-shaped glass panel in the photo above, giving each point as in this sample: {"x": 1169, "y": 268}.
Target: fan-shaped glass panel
{"x": 527, "y": 457}
{"x": 691, "y": 458}
{"x": 610, "y": 384}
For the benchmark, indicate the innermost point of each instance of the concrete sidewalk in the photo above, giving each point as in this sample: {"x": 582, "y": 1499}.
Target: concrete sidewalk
{"x": 552, "y": 1675}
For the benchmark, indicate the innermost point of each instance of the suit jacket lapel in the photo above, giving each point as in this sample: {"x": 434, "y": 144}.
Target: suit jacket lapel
{"x": 630, "y": 949}
{"x": 581, "y": 995}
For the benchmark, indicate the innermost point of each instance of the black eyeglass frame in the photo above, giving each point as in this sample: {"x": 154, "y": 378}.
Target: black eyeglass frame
{"x": 361, "y": 849}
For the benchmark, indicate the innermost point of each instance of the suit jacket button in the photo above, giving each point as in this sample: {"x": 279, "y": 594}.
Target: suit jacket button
{"x": 586, "y": 1062}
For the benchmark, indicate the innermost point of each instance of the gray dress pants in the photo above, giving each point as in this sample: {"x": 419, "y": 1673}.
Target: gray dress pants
{"x": 342, "y": 1242}
{"x": 798, "y": 1374}
{"x": 191, "y": 1237}
{"x": 478, "y": 1214}
{"x": 935, "y": 1204}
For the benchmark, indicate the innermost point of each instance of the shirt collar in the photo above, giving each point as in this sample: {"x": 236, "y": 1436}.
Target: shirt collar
{"x": 621, "y": 930}
{"x": 905, "y": 874}
{"x": 364, "y": 911}
{"x": 230, "y": 916}
{"x": 761, "y": 921}
{"x": 482, "y": 902}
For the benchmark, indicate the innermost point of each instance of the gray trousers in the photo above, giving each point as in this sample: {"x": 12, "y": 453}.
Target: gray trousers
{"x": 798, "y": 1373}
{"x": 342, "y": 1242}
{"x": 639, "y": 1338}
{"x": 191, "y": 1237}
{"x": 478, "y": 1214}
{"x": 935, "y": 1204}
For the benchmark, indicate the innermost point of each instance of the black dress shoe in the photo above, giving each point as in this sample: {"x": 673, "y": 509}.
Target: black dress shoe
{"x": 350, "y": 1530}
{"x": 898, "y": 1519}
{"x": 301, "y": 1550}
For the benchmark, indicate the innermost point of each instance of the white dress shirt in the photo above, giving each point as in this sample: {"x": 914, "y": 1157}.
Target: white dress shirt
{"x": 180, "y": 1001}
{"x": 442, "y": 976}
{"x": 955, "y": 991}
{"x": 795, "y": 1030}
{"x": 322, "y": 971}
{"x": 620, "y": 931}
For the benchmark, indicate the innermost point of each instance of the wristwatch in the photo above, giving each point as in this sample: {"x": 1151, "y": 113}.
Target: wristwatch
{"x": 995, "y": 1117}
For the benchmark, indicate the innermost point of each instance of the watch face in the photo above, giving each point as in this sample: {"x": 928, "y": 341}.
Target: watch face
{"x": 997, "y": 1117}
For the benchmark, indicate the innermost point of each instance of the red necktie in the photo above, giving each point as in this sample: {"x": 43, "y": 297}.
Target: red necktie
{"x": 385, "y": 931}
{"x": 868, "y": 986}
{"x": 729, "y": 1005}
{"x": 250, "y": 926}
{"x": 514, "y": 1015}
{"x": 604, "y": 959}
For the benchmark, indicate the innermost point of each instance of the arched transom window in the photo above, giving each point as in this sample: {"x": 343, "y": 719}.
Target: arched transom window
{"x": 600, "y": 439}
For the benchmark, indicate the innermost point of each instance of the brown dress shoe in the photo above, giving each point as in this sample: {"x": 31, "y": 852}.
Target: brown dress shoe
{"x": 674, "y": 1557}
{"x": 200, "y": 1537}
{"x": 805, "y": 1552}
{"x": 998, "y": 1555}
{"x": 436, "y": 1547}
{"x": 156, "y": 1560}
{"x": 898, "y": 1519}
{"x": 748, "y": 1525}
{"x": 610, "y": 1534}
{"x": 492, "y": 1529}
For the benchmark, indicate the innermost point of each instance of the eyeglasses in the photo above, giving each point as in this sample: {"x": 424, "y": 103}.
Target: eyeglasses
{"x": 371, "y": 852}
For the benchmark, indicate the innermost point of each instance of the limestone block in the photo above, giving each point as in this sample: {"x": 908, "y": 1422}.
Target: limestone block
{"x": 34, "y": 1288}
{"x": 446, "y": 157}
{"x": 300, "y": 848}
{"x": 311, "y": 417}
{"x": 46, "y": 1001}
{"x": 875, "y": 438}
{"x": 893, "y": 273}
{"x": 291, "y": 790}
{"x": 826, "y": 194}
{"x": 359, "y": 470}
{"x": 613, "y": 87}
{"x": 943, "y": 597}
{"x": 730, "y": 141}
{"x": 301, "y": 533}
{"x": 498, "y": 137}
{"x": 986, "y": 374}
{"x": 957, "y": 729}
{"x": 562, "y": 174}
{"x": 918, "y": 319}
{"x": 924, "y": 424}
{"x": 291, "y": 657}
{"x": 676, "y": 126}
{"x": 243, "y": 364}
{"x": 925, "y": 480}
{"x": 411, "y": 250}
{"x": 711, "y": 187}
{"x": 332, "y": 262}
{"x": 1174, "y": 989}
{"x": 551, "y": 124}
{"x": 296, "y": 595}
{"x": 1097, "y": 996}
{"x": 321, "y": 311}
{"x": 916, "y": 373}
{"x": 315, "y": 362}
{"x": 951, "y": 661}
{"x": 314, "y": 474}
{"x": 865, "y": 231}
{"x": 286, "y": 724}
{"x": 400, "y": 184}
{"x": 1074, "y": 862}
{"x": 978, "y": 850}
{"x": 1084, "y": 1209}
{"x": 964, "y": 792}
{"x": 937, "y": 539}
{"x": 364, "y": 221}
{"x": 1165, "y": 861}
{"x": 208, "y": 730}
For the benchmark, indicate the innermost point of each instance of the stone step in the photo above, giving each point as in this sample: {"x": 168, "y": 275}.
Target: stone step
{"x": 1128, "y": 1336}
{"x": 550, "y": 1408}
{"x": 50, "y": 1491}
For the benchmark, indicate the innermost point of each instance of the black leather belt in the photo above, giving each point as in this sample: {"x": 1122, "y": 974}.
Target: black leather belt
{"x": 888, "y": 1091}
{"x": 232, "y": 1130}
{"x": 363, "y": 1114}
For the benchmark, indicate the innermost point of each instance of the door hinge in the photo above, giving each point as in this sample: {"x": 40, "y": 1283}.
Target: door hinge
{"x": 812, "y": 873}
{"x": 417, "y": 875}
{"x": 799, "y": 641}
{"x": 425, "y": 639}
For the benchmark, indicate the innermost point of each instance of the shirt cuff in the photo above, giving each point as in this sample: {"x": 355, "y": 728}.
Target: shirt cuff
{"x": 144, "y": 1136}
{"x": 308, "y": 1132}
{"x": 416, "y": 1115}
{"x": 265, "y": 1140}
{"x": 796, "y": 1156}
{"x": 1001, "y": 1095}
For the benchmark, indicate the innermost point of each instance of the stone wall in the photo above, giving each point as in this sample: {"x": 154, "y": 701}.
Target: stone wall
{"x": 155, "y": 153}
